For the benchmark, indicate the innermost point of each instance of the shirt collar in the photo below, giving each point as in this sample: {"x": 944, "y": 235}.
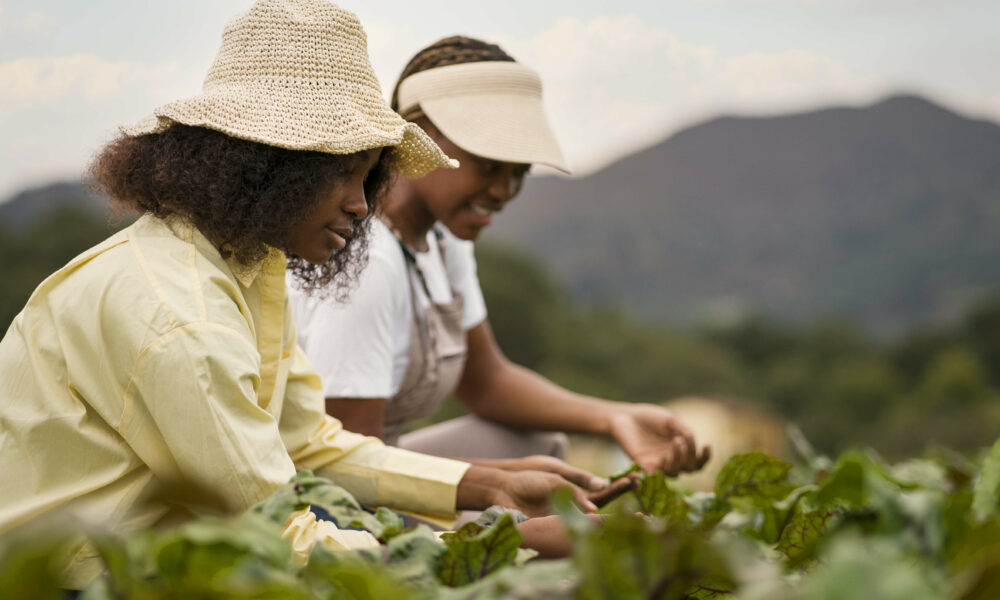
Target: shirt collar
{"x": 246, "y": 274}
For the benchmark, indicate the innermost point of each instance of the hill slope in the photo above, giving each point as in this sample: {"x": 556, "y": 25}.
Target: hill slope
{"x": 887, "y": 214}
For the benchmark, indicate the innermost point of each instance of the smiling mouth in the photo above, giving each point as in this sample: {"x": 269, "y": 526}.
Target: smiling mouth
{"x": 482, "y": 210}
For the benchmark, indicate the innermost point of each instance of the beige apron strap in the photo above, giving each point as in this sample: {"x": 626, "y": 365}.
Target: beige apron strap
{"x": 436, "y": 354}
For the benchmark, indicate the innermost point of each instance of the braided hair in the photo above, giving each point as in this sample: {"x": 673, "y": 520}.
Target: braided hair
{"x": 454, "y": 50}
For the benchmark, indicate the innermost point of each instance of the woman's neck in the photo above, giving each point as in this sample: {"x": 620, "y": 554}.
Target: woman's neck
{"x": 408, "y": 215}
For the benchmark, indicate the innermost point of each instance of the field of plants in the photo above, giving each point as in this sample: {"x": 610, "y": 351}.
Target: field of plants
{"x": 854, "y": 527}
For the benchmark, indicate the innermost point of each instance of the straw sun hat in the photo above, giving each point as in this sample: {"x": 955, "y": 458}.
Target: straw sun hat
{"x": 296, "y": 74}
{"x": 492, "y": 109}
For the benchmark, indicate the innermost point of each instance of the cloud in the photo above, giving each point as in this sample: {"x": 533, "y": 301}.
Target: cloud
{"x": 985, "y": 107}
{"x": 56, "y": 112}
{"x": 54, "y": 81}
{"x": 612, "y": 83}
{"x": 840, "y": 7}
{"x": 16, "y": 26}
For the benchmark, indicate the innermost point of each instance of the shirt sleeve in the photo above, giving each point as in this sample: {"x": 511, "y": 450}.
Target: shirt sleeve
{"x": 192, "y": 415}
{"x": 352, "y": 343}
{"x": 377, "y": 475}
{"x": 460, "y": 263}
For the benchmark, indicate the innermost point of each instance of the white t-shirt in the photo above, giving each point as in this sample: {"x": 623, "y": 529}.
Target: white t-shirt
{"x": 361, "y": 348}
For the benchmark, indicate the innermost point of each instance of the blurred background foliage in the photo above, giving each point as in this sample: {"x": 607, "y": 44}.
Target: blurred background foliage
{"x": 929, "y": 385}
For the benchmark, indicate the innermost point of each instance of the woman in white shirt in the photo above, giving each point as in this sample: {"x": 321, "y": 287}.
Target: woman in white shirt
{"x": 418, "y": 321}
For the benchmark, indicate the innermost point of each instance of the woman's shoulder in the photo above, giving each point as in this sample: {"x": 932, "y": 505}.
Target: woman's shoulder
{"x": 164, "y": 271}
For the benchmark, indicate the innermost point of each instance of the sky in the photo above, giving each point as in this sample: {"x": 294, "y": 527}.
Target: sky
{"x": 618, "y": 75}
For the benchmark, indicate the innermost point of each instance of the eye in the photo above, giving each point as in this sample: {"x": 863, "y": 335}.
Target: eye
{"x": 372, "y": 182}
{"x": 490, "y": 167}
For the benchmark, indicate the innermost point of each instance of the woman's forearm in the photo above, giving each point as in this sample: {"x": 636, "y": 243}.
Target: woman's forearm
{"x": 521, "y": 398}
{"x": 360, "y": 415}
{"x": 494, "y": 388}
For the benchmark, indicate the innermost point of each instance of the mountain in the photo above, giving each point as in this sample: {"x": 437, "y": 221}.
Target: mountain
{"x": 26, "y": 208}
{"x": 886, "y": 214}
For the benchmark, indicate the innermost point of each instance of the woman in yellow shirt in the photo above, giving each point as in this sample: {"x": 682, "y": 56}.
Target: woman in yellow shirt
{"x": 168, "y": 354}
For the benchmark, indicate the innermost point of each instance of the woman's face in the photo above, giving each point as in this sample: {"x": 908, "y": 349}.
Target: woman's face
{"x": 329, "y": 225}
{"x": 464, "y": 199}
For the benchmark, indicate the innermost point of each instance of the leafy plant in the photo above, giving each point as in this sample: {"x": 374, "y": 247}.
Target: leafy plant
{"x": 854, "y": 527}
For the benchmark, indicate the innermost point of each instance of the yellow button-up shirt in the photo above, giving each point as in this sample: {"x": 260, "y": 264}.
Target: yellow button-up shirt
{"x": 149, "y": 359}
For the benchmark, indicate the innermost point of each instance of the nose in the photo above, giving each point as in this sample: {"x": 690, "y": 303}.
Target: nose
{"x": 355, "y": 203}
{"x": 505, "y": 186}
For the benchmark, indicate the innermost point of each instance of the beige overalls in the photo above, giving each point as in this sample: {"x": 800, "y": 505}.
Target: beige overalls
{"x": 436, "y": 360}
{"x": 437, "y": 353}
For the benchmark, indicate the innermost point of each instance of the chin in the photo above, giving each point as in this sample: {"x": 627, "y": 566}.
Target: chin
{"x": 467, "y": 233}
{"x": 318, "y": 258}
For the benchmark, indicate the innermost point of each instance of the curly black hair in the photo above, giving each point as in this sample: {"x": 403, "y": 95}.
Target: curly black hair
{"x": 244, "y": 196}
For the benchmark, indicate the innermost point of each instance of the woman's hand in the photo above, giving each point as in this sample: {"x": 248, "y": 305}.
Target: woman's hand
{"x": 549, "y": 464}
{"x": 548, "y": 537}
{"x": 657, "y": 440}
{"x": 528, "y": 491}
{"x": 598, "y": 490}
{"x": 531, "y": 492}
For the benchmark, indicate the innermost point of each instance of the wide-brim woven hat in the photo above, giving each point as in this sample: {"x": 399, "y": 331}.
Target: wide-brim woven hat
{"x": 296, "y": 74}
{"x": 492, "y": 109}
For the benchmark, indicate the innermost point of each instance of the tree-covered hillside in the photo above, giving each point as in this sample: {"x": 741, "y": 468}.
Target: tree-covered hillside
{"x": 887, "y": 214}
{"x": 929, "y": 385}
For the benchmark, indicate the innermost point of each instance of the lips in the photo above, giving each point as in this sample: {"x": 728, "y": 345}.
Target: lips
{"x": 484, "y": 211}
{"x": 339, "y": 235}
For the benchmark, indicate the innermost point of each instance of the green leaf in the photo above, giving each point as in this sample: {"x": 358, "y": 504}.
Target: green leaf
{"x": 634, "y": 557}
{"x": 524, "y": 555}
{"x": 576, "y": 523}
{"x": 97, "y": 590}
{"x": 855, "y": 567}
{"x": 705, "y": 511}
{"x": 635, "y": 468}
{"x": 773, "y": 519}
{"x": 711, "y": 589}
{"x": 472, "y": 557}
{"x": 392, "y": 524}
{"x": 28, "y": 570}
{"x": 846, "y": 485}
{"x": 803, "y": 533}
{"x": 549, "y": 579}
{"x": 761, "y": 478}
{"x": 919, "y": 474}
{"x": 414, "y": 556}
{"x": 657, "y": 497}
{"x": 987, "y": 488}
{"x": 352, "y": 576}
{"x": 305, "y": 489}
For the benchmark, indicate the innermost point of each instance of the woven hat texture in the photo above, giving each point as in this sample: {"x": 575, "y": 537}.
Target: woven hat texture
{"x": 490, "y": 108}
{"x": 295, "y": 74}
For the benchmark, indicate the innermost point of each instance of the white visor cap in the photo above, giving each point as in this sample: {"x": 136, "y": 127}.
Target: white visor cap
{"x": 491, "y": 109}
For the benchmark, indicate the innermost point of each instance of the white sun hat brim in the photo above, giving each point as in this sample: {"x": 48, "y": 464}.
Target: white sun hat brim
{"x": 491, "y": 109}
{"x": 295, "y": 74}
